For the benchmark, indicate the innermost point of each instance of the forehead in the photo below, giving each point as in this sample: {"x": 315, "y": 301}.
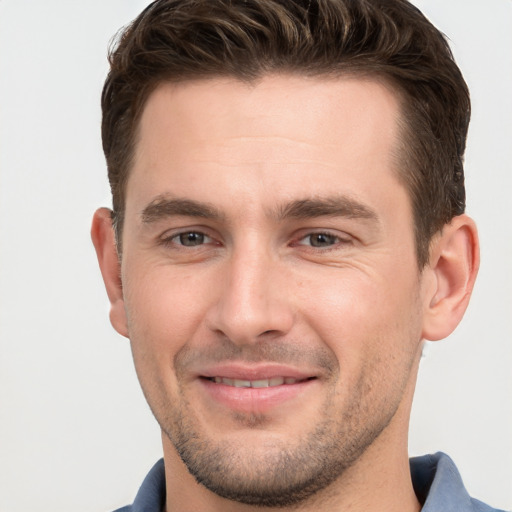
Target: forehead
{"x": 268, "y": 104}
{"x": 282, "y": 133}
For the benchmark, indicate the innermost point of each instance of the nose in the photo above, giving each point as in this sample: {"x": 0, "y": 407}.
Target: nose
{"x": 253, "y": 301}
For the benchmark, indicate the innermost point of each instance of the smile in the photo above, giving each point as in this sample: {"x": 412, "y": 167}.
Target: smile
{"x": 261, "y": 383}
{"x": 256, "y": 390}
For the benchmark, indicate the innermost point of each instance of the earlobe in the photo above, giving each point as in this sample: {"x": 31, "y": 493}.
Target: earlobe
{"x": 454, "y": 261}
{"x": 102, "y": 234}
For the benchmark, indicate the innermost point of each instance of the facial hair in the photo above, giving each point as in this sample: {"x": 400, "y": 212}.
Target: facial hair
{"x": 278, "y": 473}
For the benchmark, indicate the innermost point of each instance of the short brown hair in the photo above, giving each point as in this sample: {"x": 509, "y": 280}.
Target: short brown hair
{"x": 175, "y": 40}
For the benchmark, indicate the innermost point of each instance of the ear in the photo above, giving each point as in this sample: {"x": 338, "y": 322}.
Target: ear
{"x": 102, "y": 234}
{"x": 453, "y": 266}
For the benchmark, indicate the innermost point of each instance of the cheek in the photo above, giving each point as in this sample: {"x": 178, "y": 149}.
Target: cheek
{"x": 164, "y": 310}
{"x": 163, "y": 316}
{"x": 365, "y": 317}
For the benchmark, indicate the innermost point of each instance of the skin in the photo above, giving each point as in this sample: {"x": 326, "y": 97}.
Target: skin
{"x": 267, "y": 233}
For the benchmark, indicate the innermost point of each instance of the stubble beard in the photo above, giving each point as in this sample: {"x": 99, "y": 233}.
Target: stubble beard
{"x": 276, "y": 474}
{"x": 291, "y": 471}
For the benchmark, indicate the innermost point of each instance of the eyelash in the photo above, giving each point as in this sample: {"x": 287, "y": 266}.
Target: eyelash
{"x": 170, "y": 240}
{"x": 335, "y": 240}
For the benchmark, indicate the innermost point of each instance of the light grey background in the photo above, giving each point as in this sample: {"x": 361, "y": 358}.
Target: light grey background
{"x": 75, "y": 431}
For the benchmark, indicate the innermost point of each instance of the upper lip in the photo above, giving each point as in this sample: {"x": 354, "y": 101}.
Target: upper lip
{"x": 254, "y": 372}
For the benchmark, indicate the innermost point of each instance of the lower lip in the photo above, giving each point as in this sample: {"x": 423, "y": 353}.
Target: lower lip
{"x": 256, "y": 400}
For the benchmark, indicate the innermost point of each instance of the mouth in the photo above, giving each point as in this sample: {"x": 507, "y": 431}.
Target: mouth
{"x": 259, "y": 383}
{"x": 256, "y": 390}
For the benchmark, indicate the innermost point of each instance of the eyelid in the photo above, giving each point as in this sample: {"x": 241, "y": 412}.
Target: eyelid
{"x": 341, "y": 238}
{"x": 206, "y": 238}
{"x": 169, "y": 236}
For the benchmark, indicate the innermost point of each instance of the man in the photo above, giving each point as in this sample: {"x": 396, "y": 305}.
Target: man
{"x": 288, "y": 227}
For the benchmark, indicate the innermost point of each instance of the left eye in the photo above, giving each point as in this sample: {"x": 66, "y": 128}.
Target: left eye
{"x": 320, "y": 240}
{"x": 191, "y": 239}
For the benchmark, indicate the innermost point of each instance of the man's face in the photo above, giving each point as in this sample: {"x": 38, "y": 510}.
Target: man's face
{"x": 272, "y": 294}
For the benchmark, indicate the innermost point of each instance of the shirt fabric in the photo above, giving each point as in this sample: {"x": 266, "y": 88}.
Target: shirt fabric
{"x": 435, "y": 478}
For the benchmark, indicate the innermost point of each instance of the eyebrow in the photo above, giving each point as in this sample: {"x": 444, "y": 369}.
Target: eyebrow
{"x": 332, "y": 206}
{"x": 163, "y": 207}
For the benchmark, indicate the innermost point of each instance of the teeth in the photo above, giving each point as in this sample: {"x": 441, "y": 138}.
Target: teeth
{"x": 262, "y": 383}
{"x": 242, "y": 383}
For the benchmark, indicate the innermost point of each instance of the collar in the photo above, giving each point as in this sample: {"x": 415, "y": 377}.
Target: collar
{"x": 438, "y": 486}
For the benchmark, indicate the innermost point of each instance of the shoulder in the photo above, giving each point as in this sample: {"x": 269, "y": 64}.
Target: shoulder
{"x": 478, "y": 506}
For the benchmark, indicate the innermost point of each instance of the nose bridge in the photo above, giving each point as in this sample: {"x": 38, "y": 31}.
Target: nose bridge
{"x": 251, "y": 301}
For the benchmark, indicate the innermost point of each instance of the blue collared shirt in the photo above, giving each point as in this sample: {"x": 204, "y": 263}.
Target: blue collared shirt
{"x": 435, "y": 478}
